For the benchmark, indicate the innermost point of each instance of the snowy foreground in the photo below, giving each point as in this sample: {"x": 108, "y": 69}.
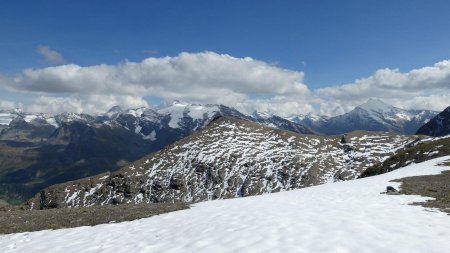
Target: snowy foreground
{"x": 349, "y": 216}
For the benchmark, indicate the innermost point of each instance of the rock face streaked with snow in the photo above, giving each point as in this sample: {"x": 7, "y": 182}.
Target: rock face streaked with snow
{"x": 438, "y": 126}
{"x": 229, "y": 158}
{"x": 38, "y": 150}
{"x": 349, "y": 216}
{"x": 374, "y": 115}
{"x": 281, "y": 123}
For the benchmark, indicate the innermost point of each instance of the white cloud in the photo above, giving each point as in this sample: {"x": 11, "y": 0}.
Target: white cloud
{"x": 6, "y": 105}
{"x": 437, "y": 102}
{"x": 205, "y": 77}
{"x": 208, "y": 77}
{"x": 423, "y": 88}
{"x": 186, "y": 76}
{"x": 279, "y": 105}
{"x": 93, "y": 104}
{"x": 49, "y": 54}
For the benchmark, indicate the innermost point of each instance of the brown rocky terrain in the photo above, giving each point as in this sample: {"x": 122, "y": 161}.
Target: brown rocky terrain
{"x": 17, "y": 220}
{"x": 434, "y": 186}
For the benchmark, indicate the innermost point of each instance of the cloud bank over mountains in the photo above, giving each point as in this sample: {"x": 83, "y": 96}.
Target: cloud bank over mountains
{"x": 207, "y": 77}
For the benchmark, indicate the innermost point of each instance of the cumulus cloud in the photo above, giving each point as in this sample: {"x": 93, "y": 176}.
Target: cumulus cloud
{"x": 423, "y": 88}
{"x": 184, "y": 76}
{"x": 50, "y": 55}
{"x": 5, "y": 104}
{"x": 207, "y": 77}
{"x": 279, "y": 105}
{"x": 93, "y": 104}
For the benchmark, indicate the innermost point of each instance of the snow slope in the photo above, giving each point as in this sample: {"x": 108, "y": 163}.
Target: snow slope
{"x": 349, "y": 216}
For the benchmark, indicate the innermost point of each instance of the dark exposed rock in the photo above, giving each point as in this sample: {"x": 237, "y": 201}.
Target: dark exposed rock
{"x": 390, "y": 190}
{"x": 437, "y": 126}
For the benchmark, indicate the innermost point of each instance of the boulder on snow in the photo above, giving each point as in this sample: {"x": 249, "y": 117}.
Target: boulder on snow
{"x": 391, "y": 190}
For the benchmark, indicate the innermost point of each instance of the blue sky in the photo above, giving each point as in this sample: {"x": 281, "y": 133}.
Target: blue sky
{"x": 331, "y": 42}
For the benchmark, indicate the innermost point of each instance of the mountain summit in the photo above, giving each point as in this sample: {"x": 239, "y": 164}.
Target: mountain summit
{"x": 376, "y": 105}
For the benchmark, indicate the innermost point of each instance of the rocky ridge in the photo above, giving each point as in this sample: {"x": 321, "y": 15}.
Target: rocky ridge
{"x": 38, "y": 150}
{"x": 229, "y": 158}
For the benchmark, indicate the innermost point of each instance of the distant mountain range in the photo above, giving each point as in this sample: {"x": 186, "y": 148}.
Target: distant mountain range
{"x": 38, "y": 150}
{"x": 374, "y": 115}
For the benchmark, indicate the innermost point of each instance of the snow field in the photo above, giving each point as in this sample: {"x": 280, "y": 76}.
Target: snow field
{"x": 350, "y": 216}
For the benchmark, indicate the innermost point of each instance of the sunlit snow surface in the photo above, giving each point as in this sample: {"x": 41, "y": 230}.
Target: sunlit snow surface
{"x": 349, "y": 216}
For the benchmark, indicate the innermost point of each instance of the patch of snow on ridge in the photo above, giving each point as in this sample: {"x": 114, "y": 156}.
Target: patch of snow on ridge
{"x": 197, "y": 112}
{"x": 376, "y": 105}
{"x": 179, "y": 110}
{"x": 404, "y": 115}
{"x": 29, "y": 118}
{"x": 262, "y": 114}
{"x": 138, "y": 129}
{"x": 151, "y": 136}
{"x": 176, "y": 112}
{"x": 52, "y": 121}
{"x": 349, "y": 216}
{"x": 136, "y": 112}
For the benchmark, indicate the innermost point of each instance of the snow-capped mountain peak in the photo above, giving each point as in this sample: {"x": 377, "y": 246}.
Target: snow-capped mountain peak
{"x": 262, "y": 114}
{"x": 311, "y": 117}
{"x": 180, "y": 103}
{"x": 136, "y": 112}
{"x": 376, "y": 105}
{"x": 114, "y": 111}
{"x": 374, "y": 115}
